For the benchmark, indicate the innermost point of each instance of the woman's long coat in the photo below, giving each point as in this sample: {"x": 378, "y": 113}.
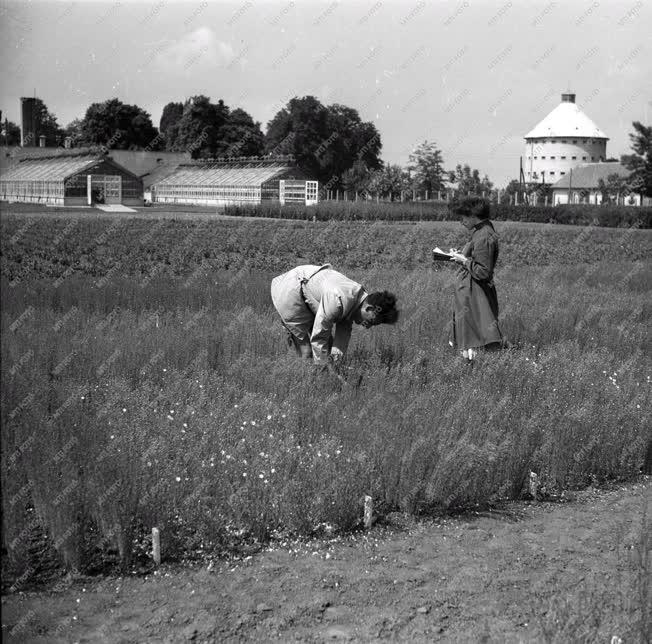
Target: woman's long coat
{"x": 475, "y": 311}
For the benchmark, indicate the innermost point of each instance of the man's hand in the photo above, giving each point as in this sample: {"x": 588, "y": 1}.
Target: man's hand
{"x": 336, "y": 354}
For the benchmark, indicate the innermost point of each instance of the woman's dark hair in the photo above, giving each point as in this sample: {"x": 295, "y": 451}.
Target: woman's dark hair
{"x": 470, "y": 207}
{"x": 386, "y": 303}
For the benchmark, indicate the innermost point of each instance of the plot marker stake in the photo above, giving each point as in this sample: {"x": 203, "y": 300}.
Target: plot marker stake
{"x": 156, "y": 546}
{"x": 368, "y": 511}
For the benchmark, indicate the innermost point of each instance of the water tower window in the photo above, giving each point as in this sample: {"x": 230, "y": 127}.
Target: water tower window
{"x": 562, "y": 173}
{"x": 543, "y": 157}
{"x": 552, "y": 172}
{"x": 553, "y": 157}
{"x": 575, "y": 141}
{"x": 564, "y": 141}
{"x": 592, "y": 158}
{"x": 563, "y": 158}
{"x": 573, "y": 158}
{"x": 583, "y": 158}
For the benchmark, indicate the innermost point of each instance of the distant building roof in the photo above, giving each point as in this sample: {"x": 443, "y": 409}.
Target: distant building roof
{"x": 588, "y": 175}
{"x": 567, "y": 119}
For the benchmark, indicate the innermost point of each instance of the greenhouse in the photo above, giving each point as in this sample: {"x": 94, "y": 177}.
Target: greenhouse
{"x": 79, "y": 179}
{"x": 249, "y": 180}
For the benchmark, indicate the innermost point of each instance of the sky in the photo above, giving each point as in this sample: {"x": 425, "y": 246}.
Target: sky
{"x": 471, "y": 76}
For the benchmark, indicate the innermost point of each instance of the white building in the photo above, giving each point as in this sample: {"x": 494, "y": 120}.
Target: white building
{"x": 582, "y": 185}
{"x": 564, "y": 139}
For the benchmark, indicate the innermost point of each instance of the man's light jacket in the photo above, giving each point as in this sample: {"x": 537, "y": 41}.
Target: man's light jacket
{"x": 311, "y": 300}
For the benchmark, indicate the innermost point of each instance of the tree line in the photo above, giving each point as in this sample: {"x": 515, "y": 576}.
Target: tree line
{"x": 330, "y": 142}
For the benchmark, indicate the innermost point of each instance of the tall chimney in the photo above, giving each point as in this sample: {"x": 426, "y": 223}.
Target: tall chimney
{"x": 568, "y": 98}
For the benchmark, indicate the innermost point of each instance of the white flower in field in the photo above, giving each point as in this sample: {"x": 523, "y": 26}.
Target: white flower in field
{"x": 273, "y": 471}
{"x": 261, "y": 476}
{"x": 177, "y": 479}
{"x": 235, "y": 406}
{"x": 124, "y": 410}
{"x": 283, "y": 415}
{"x": 112, "y": 436}
{"x": 244, "y": 460}
{"x": 185, "y": 424}
{"x": 244, "y": 474}
{"x": 269, "y": 417}
{"x": 82, "y": 397}
{"x": 253, "y": 422}
{"x": 149, "y": 463}
{"x": 164, "y": 369}
{"x": 170, "y": 417}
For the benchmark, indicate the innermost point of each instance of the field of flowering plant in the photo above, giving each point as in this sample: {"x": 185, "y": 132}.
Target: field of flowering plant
{"x": 135, "y": 396}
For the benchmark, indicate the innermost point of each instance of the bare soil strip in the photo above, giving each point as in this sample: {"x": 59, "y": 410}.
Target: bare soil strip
{"x": 532, "y": 572}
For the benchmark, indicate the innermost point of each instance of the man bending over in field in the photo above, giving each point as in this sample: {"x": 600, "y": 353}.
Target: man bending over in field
{"x": 318, "y": 307}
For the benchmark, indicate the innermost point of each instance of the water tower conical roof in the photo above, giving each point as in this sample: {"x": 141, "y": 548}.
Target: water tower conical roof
{"x": 567, "y": 119}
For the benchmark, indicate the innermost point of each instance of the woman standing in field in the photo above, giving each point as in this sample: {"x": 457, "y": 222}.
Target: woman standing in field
{"x": 475, "y": 309}
{"x": 318, "y": 307}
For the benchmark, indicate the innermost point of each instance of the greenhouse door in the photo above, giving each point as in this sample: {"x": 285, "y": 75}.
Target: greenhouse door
{"x": 311, "y": 193}
{"x": 297, "y": 191}
{"x": 104, "y": 188}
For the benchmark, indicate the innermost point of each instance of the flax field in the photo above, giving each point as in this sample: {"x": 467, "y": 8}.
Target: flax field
{"x": 146, "y": 382}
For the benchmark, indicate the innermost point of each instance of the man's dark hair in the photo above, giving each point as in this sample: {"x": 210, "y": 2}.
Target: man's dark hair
{"x": 470, "y": 206}
{"x": 385, "y": 302}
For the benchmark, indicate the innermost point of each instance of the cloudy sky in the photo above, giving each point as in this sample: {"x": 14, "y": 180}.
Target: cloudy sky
{"x": 472, "y": 76}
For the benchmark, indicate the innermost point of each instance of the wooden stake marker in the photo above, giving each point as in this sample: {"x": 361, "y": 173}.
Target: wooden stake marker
{"x": 368, "y": 512}
{"x": 156, "y": 546}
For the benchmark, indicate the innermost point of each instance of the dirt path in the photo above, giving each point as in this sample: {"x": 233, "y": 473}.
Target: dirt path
{"x": 569, "y": 569}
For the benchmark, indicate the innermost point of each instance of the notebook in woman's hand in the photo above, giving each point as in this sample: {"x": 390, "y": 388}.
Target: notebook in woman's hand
{"x": 439, "y": 255}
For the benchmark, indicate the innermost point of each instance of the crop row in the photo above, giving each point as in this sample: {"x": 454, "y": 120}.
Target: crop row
{"x": 55, "y": 248}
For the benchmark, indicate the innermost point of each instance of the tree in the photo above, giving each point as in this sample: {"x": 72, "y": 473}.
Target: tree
{"x": 615, "y": 187}
{"x": 115, "y": 124}
{"x": 426, "y": 167}
{"x": 640, "y": 163}
{"x": 389, "y": 182}
{"x": 469, "y": 182}
{"x": 240, "y": 135}
{"x": 199, "y": 127}
{"x": 10, "y": 133}
{"x": 75, "y": 130}
{"x": 169, "y": 123}
{"x": 327, "y": 141}
{"x": 357, "y": 179}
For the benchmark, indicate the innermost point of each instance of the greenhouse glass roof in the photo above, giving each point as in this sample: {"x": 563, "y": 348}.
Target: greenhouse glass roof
{"x": 48, "y": 168}
{"x": 216, "y": 175}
